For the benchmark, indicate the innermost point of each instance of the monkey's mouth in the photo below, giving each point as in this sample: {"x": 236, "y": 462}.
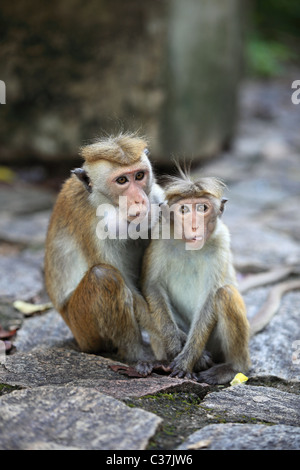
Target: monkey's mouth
{"x": 137, "y": 216}
{"x": 136, "y": 212}
{"x": 196, "y": 238}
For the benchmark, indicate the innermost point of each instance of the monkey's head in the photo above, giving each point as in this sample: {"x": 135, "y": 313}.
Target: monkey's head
{"x": 118, "y": 166}
{"x": 195, "y": 207}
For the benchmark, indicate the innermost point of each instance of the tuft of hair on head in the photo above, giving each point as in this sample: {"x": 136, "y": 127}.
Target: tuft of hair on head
{"x": 184, "y": 186}
{"x": 124, "y": 148}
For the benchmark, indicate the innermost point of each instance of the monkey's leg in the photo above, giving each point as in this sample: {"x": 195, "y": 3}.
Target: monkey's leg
{"x": 166, "y": 338}
{"x": 193, "y": 357}
{"x": 100, "y": 314}
{"x": 204, "y": 362}
{"x": 229, "y": 340}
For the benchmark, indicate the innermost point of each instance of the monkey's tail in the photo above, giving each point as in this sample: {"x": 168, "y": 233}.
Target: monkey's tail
{"x": 271, "y": 305}
{"x": 268, "y": 277}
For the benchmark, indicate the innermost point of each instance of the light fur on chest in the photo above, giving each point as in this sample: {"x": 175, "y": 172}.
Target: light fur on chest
{"x": 189, "y": 281}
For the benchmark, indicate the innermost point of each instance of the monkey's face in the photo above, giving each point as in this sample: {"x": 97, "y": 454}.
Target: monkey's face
{"x": 127, "y": 187}
{"x": 131, "y": 184}
{"x": 194, "y": 220}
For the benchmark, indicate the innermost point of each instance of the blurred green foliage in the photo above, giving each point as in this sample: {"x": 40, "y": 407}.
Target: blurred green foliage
{"x": 267, "y": 58}
{"x": 274, "y": 39}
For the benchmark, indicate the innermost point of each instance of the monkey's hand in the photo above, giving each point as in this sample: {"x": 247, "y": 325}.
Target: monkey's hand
{"x": 181, "y": 369}
{"x": 175, "y": 343}
{"x": 168, "y": 345}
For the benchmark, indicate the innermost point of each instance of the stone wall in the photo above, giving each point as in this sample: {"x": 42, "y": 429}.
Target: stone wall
{"x": 75, "y": 69}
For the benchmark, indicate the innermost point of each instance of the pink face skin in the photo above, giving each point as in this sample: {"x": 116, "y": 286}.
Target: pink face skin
{"x": 133, "y": 184}
{"x": 194, "y": 220}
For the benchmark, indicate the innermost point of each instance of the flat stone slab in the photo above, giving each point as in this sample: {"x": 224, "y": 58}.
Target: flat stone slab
{"x": 30, "y": 229}
{"x": 272, "y": 350}
{"x": 46, "y": 353}
{"x": 20, "y": 199}
{"x": 10, "y": 318}
{"x": 45, "y": 330}
{"x": 262, "y": 246}
{"x": 248, "y": 402}
{"x": 22, "y": 280}
{"x": 72, "y": 417}
{"x": 59, "y": 366}
{"x": 244, "y": 437}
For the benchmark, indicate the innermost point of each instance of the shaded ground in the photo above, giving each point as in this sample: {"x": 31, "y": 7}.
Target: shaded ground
{"x": 262, "y": 172}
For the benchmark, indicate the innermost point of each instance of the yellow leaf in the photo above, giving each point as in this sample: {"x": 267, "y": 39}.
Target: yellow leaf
{"x": 6, "y": 174}
{"x": 238, "y": 379}
{"x": 28, "y": 308}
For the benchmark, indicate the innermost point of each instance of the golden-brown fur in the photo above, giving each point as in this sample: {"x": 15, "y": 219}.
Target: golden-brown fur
{"x": 93, "y": 282}
{"x": 192, "y": 295}
{"x": 124, "y": 149}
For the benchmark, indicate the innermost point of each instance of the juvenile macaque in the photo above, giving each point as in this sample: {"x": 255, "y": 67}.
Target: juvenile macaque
{"x": 92, "y": 280}
{"x": 190, "y": 286}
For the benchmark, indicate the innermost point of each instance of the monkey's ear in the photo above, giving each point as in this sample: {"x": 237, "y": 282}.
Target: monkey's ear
{"x": 223, "y": 202}
{"x": 83, "y": 177}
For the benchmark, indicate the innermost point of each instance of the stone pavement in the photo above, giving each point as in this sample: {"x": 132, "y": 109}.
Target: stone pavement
{"x": 55, "y": 397}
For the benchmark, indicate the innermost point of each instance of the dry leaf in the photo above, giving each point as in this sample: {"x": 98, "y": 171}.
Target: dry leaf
{"x": 28, "y": 308}
{"x": 160, "y": 367}
{"x": 4, "y": 334}
{"x": 126, "y": 370}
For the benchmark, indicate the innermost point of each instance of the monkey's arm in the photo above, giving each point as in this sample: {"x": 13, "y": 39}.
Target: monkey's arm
{"x": 166, "y": 338}
{"x": 200, "y": 331}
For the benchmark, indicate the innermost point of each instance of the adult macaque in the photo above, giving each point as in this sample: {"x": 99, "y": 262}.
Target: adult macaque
{"x": 190, "y": 286}
{"x": 92, "y": 280}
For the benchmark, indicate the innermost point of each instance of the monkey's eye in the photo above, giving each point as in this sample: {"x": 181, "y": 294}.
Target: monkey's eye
{"x": 202, "y": 208}
{"x": 121, "y": 180}
{"x": 140, "y": 175}
{"x": 184, "y": 209}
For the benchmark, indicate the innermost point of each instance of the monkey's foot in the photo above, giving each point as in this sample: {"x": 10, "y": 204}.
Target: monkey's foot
{"x": 217, "y": 375}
